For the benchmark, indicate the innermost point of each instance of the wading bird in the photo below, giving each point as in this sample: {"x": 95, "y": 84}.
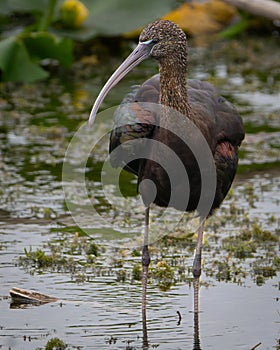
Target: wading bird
{"x": 216, "y": 119}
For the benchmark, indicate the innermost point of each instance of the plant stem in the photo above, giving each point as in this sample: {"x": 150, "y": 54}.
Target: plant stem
{"x": 47, "y": 17}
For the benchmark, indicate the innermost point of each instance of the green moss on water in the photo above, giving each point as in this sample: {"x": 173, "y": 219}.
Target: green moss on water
{"x": 41, "y": 259}
{"x": 121, "y": 275}
{"x": 55, "y": 344}
{"x": 261, "y": 235}
{"x": 92, "y": 249}
{"x": 226, "y": 269}
{"x": 163, "y": 273}
{"x": 69, "y": 229}
{"x": 252, "y": 167}
{"x": 276, "y": 262}
{"x": 137, "y": 272}
{"x": 266, "y": 271}
{"x": 252, "y": 128}
{"x": 223, "y": 270}
{"x": 179, "y": 239}
{"x": 241, "y": 249}
{"x": 245, "y": 244}
{"x": 63, "y": 255}
{"x": 136, "y": 253}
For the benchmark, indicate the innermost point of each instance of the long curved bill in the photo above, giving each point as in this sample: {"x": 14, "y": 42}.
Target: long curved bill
{"x": 140, "y": 53}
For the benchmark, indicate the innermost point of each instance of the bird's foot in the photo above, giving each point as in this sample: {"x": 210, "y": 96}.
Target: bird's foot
{"x": 197, "y": 266}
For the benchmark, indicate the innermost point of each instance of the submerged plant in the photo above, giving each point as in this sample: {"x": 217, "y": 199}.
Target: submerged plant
{"x": 42, "y": 260}
{"x": 164, "y": 275}
{"x": 55, "y": 344}
{"x": 137, "y": 272}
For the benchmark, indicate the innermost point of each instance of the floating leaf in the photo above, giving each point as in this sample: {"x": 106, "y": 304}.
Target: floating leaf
{"x": 16, "y": 64}
{"x": 45, "y": 45}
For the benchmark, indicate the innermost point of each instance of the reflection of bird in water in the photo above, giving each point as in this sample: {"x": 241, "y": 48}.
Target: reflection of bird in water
{"x": 214, "y": 117}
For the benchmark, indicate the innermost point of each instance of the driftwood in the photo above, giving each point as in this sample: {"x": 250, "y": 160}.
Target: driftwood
{"x": 23, "y": 296}
{"x": 264, "y": 8}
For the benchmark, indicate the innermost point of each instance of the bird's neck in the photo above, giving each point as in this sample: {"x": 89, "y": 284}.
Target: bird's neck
{"x": 173, "y": 85}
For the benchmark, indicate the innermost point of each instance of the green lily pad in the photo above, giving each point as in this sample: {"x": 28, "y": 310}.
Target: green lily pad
{"x": 45, "y": 45}
{"x": 16, "y": 64}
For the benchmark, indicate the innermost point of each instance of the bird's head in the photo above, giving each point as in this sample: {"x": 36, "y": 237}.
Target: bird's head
{"x": 164, "y": 38}
{"x": 161, "y": 40}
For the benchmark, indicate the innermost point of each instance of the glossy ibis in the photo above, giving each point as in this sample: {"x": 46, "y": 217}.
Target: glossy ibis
{"x": 215, "y": 118}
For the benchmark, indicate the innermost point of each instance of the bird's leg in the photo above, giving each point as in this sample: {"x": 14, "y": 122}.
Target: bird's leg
{"x": 145, "y": 265}
{"x": 197, "y": 258}
{"x": 196, "y": 339}
{"x": 197, "y": 264}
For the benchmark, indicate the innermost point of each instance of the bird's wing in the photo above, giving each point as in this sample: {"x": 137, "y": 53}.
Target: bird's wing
{"x": 133, "y": 122}
{"x": 220, "y": 116}
{"x": 225, "y": 132}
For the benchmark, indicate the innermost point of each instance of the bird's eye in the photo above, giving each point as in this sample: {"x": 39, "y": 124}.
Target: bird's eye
{"x": 151, "y": 41}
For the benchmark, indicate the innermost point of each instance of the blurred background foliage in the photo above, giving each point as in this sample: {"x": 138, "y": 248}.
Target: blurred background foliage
{"x": 37, "y": 33}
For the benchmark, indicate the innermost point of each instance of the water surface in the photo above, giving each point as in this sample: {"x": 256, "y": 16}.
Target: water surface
{"x": 99, "y": 301}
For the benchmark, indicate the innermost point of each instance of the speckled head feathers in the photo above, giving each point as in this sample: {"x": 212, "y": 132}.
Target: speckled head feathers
{"x": 167, "y": 36}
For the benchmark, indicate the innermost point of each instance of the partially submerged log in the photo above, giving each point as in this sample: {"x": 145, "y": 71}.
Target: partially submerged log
{"x": 24, "y": 296}
{"x": 263, "y": 8}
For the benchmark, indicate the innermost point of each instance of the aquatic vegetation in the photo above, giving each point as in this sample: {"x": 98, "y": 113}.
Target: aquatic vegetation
{"x": 137, "y": 272}
{"x": 231, "y": 257}
{"x": 264, "y": 271}
{"x": 240, "y": 249}
{"x": 40, "y": 259}
{"x": 136, "y": 253}
{"x": 64, "y": 255}
{"x": 227, "y": 270}
{"x": 46, "y": 32}
{"x": 92, "y": 249}
{"x": 258, "y": 234}
{"x": 55, "y": 344}
{"x": 163, "y": 273}
{"x": 121, "y": 275}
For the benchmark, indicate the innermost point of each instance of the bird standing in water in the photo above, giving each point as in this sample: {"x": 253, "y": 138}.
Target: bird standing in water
{"x": 213, "y": 116}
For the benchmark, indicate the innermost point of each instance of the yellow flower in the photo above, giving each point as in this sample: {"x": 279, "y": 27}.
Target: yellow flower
{"x": 73, "y": 13}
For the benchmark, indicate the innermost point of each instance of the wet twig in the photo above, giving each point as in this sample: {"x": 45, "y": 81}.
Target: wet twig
{"x": 256, "y": 346}
{"x": 179, "y": 319}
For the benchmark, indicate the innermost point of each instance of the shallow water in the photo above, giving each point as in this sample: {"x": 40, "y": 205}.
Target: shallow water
{"x": 96, "y": 308}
